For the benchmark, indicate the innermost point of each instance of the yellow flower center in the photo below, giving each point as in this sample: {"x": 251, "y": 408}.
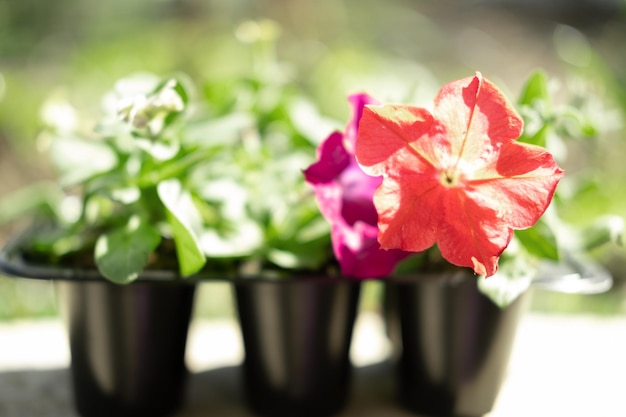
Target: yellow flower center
{"x": 451, "y": 177}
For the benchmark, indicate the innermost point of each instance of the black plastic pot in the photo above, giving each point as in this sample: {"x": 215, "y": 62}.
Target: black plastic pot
{"x": 127, "y": 346}
{"x": 297, "y": 334}
{"x": 451, "y": 344}
{"x": 127, "y": 342}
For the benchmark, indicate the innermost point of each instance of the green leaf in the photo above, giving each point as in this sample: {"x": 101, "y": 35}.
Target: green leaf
{"x": 513, "y": 279}
{"x": 535, "y": 88}
{"x": 539, "y": 138}
{"x": 225, "y": 130}
{"x": 161, "y": 150}
{"x": 183, "y": 86}
{"x": 122, "y": 254}
{"x": 539, "y": 240}
{"x": 182, "y": 92}
{"x": 55, "y": 243}
{"x": 126, "y": 195}
{"x": 606, "y": 229}
{"x": 536, "y": 107}
{"x": 40, "y": 198}
{"x": 184, "y": 219}
{"x": 244, "y": 239}
{"x": 309, "y": 122}
{"x": 575, "y": 124}
{"x": 295, "y": 255}
{"x": 78, "y": 160}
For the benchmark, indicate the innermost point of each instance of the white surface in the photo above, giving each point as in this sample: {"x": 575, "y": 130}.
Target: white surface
{"x": 561, "y": 366}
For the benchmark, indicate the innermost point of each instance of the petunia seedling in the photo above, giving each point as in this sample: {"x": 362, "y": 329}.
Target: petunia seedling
{"x": 455, "y": 177}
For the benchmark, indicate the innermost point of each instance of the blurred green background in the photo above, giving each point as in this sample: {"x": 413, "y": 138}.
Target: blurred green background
{"x": 396, "y": 50}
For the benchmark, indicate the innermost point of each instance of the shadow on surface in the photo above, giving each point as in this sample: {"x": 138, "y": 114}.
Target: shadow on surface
{"x": 218, "y": 392}
{"x": 36, "y": 393}
{"x": 215, "y": 392}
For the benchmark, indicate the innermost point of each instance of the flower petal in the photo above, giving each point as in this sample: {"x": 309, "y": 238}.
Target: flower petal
{"x": 358, "y": 191}
{"x": 522, "y": 186}
{"x": 389, "y": 132}
{"x": 332, "y": 159}
{"x": 408, "y": 211}
{"x": 477, "y": 118}
{"x": 357, "y": 103}
{"x": 360, "y": 254}
{"x": 470, "y": 234}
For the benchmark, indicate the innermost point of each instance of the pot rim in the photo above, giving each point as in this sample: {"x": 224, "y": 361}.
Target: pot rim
{"x": 450, "y": 275}
{"x": 13, "y": 263}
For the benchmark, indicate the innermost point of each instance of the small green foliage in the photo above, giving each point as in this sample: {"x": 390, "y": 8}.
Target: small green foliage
{"x": 511, "y": 281}
{"x": 539, "y": 241}
{"x": 123, "y": 253}
{"x": 550, "y": 125}
{"x": 551, "y": 237}
{"x": 605, "y": 229}
{"x": 211, "y": 179}
{"x": 535, "y": 90}
{"x": 185, "y": 223}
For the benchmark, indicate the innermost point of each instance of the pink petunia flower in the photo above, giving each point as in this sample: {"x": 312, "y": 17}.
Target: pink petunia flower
{"x": 455, "y": 177}
{"x": 344, "y": 195}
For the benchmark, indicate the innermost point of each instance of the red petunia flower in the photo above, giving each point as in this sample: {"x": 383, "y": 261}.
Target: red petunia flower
{"x": 345, "y": 195}
{"x": 455, "y": 177}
